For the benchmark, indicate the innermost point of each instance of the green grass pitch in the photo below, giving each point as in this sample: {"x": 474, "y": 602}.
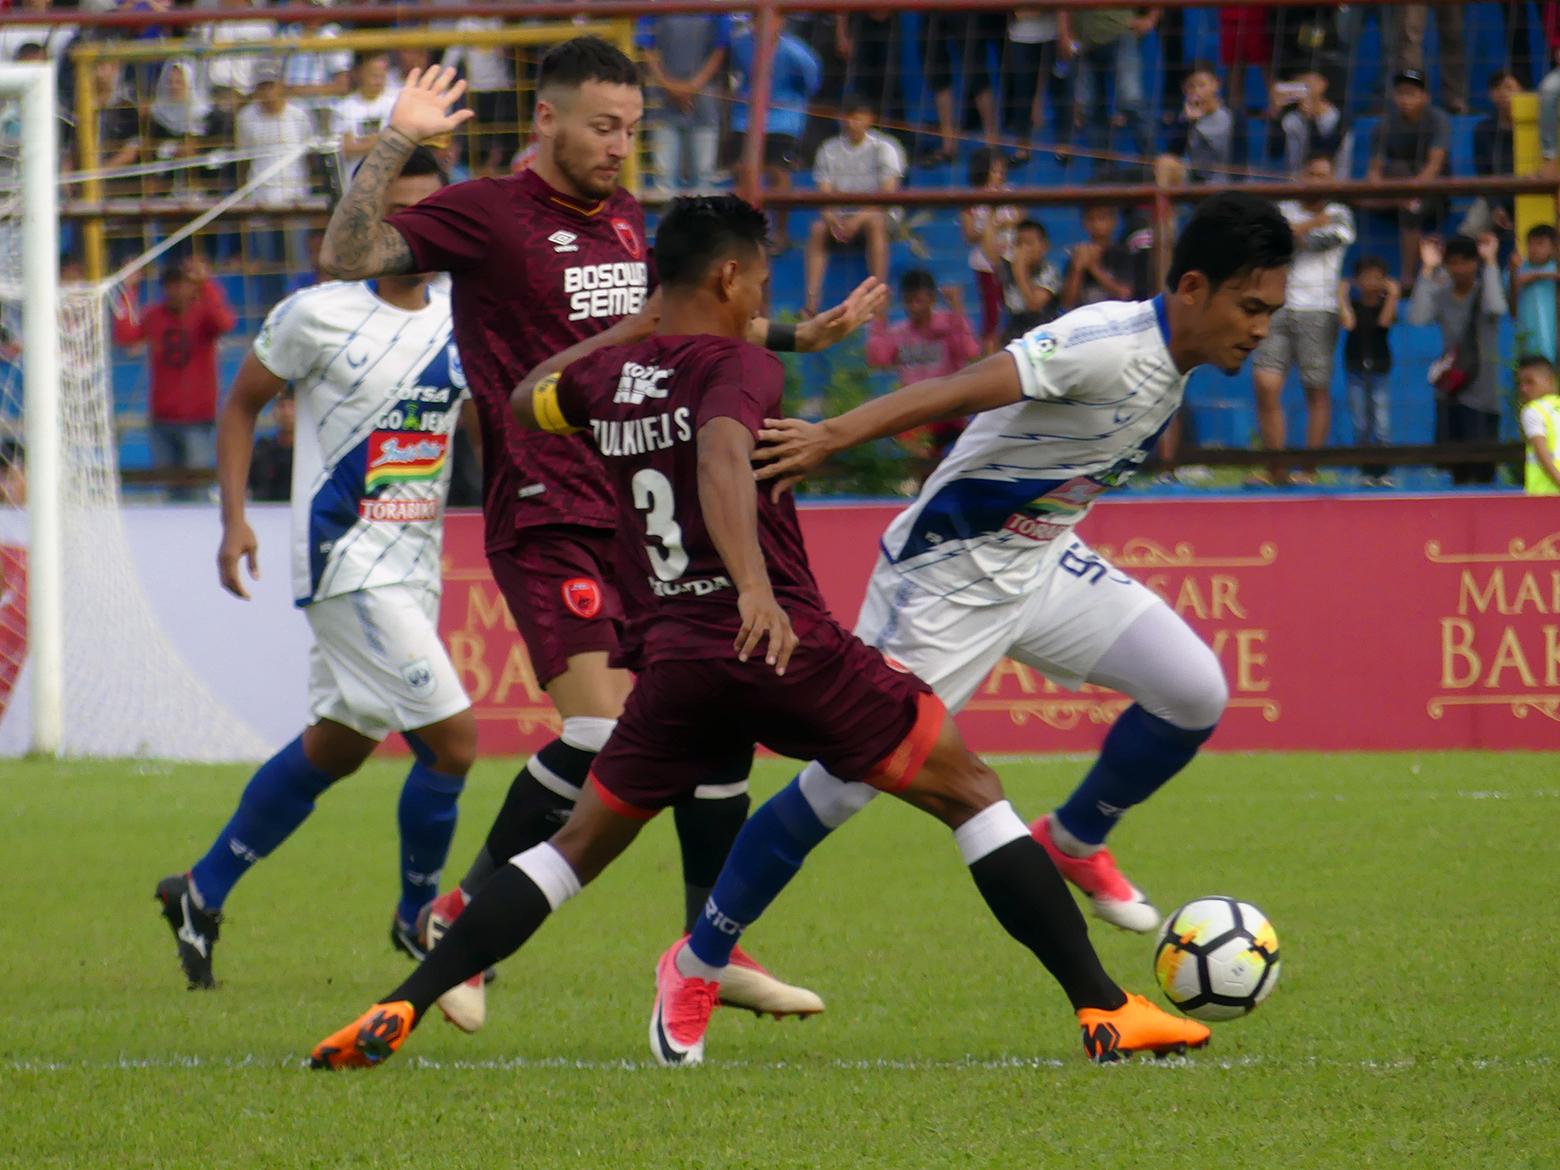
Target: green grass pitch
{"x": 1414, "y": 1025}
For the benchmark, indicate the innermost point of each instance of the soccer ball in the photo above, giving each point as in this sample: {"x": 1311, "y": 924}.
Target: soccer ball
{"x": 1217, "y": 958}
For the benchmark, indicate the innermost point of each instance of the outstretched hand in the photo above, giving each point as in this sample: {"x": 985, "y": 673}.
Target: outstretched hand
{"x": 238, "y": 544}
{"x": 788, "y": 449}
{"x": 867, "y": 300}
{"x": 422, "y": 109}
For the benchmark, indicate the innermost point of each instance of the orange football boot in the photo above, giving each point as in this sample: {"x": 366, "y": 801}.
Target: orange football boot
{"x": 1137, "y": 1026}
{"x": 368, "y": 1040}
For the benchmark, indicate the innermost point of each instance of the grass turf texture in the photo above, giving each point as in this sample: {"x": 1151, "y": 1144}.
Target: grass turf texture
{"x": 1413, "y": 1025}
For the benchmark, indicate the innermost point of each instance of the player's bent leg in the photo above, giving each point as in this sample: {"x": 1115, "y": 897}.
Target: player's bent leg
{"x": 278, "y": 798}
{"x": 1028, "y": 897}
{"x": 589, "y": 696}
{"x": 443, "y": 753}
{"x": 506, "y": 912}
{"x": 1180, "y": 694}
{"x": 767, "y": 854}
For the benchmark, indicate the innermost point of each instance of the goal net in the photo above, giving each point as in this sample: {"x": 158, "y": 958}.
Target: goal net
{"x": 124, "y": 689}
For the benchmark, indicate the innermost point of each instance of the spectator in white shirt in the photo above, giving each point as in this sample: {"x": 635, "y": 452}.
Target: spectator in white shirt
{"x": 231, "y": 76}
{"x": 1304, "y": 332}
{"x": 315, "y": 80}
{"x": 490, "y": 81}
{"x": 856, "y": 161}
{"x": 53, "y": 37}
{"x": 274, "y": 125}
{"x": 366, "y": 110}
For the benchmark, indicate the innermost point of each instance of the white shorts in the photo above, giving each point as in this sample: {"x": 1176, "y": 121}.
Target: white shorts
{"x": 1075, "y": 614}
{"x": 377, "y": 664}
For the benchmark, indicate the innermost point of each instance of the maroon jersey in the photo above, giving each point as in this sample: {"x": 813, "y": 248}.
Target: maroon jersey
{"x": 641, "y": 407}
{"x": 533, "y": 272}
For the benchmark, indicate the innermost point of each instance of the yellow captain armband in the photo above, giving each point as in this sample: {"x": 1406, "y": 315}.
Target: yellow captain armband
{"x": 545, "y": 408}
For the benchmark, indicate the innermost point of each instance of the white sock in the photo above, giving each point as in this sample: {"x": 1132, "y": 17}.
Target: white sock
{"x": 1069, "y": 844}
{"x": 545, "y": 866}
{"x": 690, "y": 966}
{"x": 987, "y": 831}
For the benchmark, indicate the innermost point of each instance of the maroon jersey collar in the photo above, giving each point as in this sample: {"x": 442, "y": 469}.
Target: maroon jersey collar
{"x": 539, "y": 188}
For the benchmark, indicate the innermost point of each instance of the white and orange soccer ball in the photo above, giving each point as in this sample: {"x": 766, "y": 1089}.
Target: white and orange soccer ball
{"x": 1217, "y": 958}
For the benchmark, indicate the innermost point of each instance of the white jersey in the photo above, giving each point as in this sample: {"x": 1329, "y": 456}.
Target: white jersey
{"x": 1099, "y": 388}
{"x": 378, "y": 391}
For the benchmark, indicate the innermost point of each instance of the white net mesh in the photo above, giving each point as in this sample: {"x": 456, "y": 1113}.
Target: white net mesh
{"x": 128, "y": 691}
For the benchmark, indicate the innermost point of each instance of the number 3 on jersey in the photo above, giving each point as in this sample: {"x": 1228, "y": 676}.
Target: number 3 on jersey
{"x": 653, "y": 497}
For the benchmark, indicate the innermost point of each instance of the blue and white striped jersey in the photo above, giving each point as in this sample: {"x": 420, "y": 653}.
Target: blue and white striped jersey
{"x": 378, "y": 391}
{"x": 1099, "y": 388}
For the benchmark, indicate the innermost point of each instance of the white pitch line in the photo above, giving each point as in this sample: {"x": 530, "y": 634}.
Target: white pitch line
{"x": 1194, "y": 1061}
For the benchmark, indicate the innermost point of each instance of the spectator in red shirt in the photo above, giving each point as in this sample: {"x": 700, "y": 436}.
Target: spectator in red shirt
{"x": 181, "y": 333}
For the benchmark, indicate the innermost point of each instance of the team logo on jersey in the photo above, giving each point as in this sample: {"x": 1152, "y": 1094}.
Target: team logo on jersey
{"x": 1039, "y": 346}
{"x": 398, "y": 457}
{"x": 563, "y": 242}
{"x": 628, "y": 237}
{"x": 583, "y": 597}
{"x": 418, "y": 676}
{"x": 637, "y": 382}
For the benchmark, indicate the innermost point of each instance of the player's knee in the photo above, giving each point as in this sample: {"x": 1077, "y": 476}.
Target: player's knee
{"x": 832, "y": 800}
{"x": 1200, "y": 699}
{"x": 961, "y": 789}
{"x": 452, "y": 744}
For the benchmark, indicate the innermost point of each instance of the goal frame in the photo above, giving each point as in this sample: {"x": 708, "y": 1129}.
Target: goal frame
{"x": 33, "y": 85}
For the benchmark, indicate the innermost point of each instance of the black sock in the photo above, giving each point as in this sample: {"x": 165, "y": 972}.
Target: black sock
{"x": 531, "y": 812}
{"x": 706, "y": 829}
{"x": 1033, "y": 904}
{"x": 496, "y": 924}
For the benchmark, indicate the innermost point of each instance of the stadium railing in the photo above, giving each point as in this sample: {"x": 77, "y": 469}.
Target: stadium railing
{"x": 104, "y": 211}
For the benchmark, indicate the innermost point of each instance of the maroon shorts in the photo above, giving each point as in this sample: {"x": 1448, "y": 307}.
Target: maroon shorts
{"x": 559, "y": 584}
{"x": 695, "y": 722}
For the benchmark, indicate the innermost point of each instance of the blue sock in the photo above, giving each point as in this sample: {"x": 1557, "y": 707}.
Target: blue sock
{"x": 766, "y": 855}
{"x": 1140, "y": 753}
{"x": 278, "y": 799}
{"x": 427, "y": 817}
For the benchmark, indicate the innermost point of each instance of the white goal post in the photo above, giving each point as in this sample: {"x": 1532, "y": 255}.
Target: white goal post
{"x": 33, "y": 86}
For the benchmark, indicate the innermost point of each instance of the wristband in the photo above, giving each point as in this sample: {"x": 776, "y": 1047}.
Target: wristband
{"x": 781, "y": 337}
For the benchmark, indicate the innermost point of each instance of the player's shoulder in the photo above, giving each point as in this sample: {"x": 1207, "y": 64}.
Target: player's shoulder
{"x": 1100, "y": 328}
{"x": 319, "y": 302}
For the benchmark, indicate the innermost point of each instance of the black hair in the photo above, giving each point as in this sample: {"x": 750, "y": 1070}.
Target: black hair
{"x": 32, "y": 50}
{"x": 422, "y": 161}
{"x": 917, "y": 280}
{"x": 699, "y": 231}
{"x": 980, "y": 166}
{"x": 171, "y": 274}
{"x": 1501, "y": 75}
{"x": 1462, "y": 248}
{"x": 574, "y": 62}
{"x": 1031, "y": 225}
{"x": 1322, "y": 155}
{"x": 859, "y": 101}
{"x": 363, "y": 56}
{"x": 1231, "y": 235}
{"x": 1531, "y": 360}
{"x": 1366, "y": 263}
{"x": 1542, "y": 231}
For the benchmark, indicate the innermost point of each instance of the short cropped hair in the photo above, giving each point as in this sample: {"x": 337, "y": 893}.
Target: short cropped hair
{"x": 917, "y": 280}
{"x": 700, "y": 231}
{"x": 1461, "y": 248}
{"x": 1231, "y": 235}
{"x": 423, "y": 162}
{"x": 574, "y": 62}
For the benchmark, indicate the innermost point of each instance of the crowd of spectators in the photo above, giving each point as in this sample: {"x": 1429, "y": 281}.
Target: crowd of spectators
{"x": 862, "y": 99}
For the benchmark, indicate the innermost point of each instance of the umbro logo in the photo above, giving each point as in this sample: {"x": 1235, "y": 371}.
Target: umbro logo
{"x": 563, "y": 242}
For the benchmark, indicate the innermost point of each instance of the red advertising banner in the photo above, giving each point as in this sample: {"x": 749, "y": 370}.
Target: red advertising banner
{"x": 1342, "y": 623}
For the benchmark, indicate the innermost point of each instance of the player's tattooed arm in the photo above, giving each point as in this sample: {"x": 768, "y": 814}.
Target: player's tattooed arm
{"x": 728, "y": 499}
{"x": 358, "y": 242}
{"x": 869, "y": 299}
{"x": 789, "y": 449}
